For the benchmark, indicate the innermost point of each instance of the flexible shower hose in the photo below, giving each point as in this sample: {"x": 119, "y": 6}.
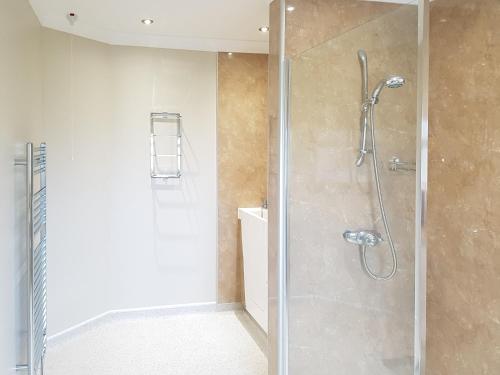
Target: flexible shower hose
{"x": 382, "y": 208}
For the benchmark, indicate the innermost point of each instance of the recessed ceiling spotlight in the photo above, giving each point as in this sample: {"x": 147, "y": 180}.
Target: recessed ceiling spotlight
{"x": 264, "y": 29}
{"x": 147, "y": 21}
{"x": 290, "y": 8}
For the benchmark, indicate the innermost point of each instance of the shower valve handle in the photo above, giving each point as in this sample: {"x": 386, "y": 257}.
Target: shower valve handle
{"x": 369, "y": 238}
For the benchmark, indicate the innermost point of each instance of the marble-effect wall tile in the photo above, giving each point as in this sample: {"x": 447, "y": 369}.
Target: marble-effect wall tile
{"x": 463, "y": 307}
{"x": 241, "y": 158}
{"x": 314, "y": 22}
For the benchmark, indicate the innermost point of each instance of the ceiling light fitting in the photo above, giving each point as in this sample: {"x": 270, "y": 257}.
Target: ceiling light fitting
{"x": 72, "y": 18}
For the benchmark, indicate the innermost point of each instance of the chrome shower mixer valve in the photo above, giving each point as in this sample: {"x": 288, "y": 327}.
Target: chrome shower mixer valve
{"x": 368, "y": 238}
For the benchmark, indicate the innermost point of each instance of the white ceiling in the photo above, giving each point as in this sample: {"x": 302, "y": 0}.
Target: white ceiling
{"x": 205, "y": 25}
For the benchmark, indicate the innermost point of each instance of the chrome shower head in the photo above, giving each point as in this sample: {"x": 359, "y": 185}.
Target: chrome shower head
{"x": 395, "y": 82}
{"x": 392, "y": 82}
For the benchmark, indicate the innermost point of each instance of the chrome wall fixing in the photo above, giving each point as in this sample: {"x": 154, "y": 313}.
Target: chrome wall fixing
{"x": 166, "y": 156}
{"x": 36, "y": 213}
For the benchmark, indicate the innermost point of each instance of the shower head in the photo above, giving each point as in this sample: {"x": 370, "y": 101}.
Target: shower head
{"x": 395, "y": 82}
{"x": 392, "y": 82}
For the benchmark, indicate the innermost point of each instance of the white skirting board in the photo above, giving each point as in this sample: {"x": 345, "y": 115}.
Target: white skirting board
{"x": 149, "y": 312}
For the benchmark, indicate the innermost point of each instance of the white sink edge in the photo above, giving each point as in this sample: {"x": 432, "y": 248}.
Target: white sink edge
{"x": 256, "y": 212}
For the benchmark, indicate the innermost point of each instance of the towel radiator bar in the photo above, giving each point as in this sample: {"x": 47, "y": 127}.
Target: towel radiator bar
{"x": 36, "y": 212}
{"x": 170, "y": 119}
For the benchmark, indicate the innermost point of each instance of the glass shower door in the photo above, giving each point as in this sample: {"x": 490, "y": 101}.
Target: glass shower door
{"x": 351, "y": 222}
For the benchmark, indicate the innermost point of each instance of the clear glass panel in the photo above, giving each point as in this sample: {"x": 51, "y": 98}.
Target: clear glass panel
{"x": 342, "y": 320}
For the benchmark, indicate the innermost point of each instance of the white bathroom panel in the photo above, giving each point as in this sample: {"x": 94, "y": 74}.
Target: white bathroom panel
{"x": 117, "y": 239}
{"x": 20, "y": 122}
{"x": 255, "y": 262}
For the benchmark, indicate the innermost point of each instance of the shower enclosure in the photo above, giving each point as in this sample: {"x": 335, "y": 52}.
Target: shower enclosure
{"x": 348, "y": 187}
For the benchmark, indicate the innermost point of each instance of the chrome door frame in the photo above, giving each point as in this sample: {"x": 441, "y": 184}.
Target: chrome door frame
{"x": 420, "y": 325}
{"x": 421, "y": 194}
{"x": 282, "y": 264}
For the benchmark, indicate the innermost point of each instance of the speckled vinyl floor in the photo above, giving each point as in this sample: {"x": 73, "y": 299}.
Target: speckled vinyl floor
{"x": 212, "y": 343}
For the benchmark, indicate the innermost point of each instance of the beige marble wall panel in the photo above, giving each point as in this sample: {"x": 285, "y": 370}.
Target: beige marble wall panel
{"x": 316, "y": 21}
{"x": 464, "y": 179}
{"x": 241, "y": 158}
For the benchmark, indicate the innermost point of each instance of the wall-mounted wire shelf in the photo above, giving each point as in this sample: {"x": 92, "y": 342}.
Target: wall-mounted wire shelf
{"x": 166, "y": 145}
{"x": 36, "y": 214}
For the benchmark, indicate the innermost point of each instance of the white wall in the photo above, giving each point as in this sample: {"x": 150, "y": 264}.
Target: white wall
{"x": 20, "y": 120}
{"x": 116, "y": 241}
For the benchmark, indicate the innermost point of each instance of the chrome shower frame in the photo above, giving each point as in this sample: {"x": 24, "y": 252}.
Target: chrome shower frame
{"x": 421, "y": 196}
{"x": 420, "y": 318}
{"x": 283, "y": 256}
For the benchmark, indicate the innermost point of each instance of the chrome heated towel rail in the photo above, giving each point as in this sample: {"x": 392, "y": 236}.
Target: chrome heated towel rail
{"x": 166, "y": 156}
{"x": 36, "y": 211}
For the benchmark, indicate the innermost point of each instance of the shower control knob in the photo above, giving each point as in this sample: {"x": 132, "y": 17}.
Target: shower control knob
{"x": 369, "y": 238}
